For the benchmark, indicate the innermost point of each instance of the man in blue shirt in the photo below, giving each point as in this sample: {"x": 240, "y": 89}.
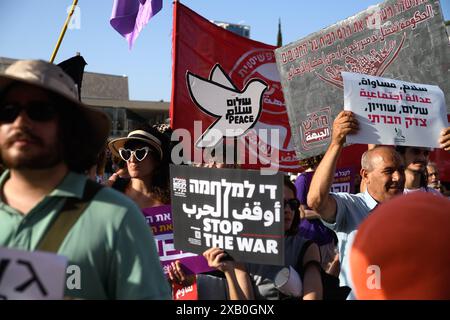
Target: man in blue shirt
{"x": 383, "y": 173}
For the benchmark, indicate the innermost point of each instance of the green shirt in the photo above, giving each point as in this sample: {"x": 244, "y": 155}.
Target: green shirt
{"x": 110, "y": 243}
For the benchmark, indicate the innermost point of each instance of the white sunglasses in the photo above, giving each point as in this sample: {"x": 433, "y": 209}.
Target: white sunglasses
{"x": 139, "y": 154}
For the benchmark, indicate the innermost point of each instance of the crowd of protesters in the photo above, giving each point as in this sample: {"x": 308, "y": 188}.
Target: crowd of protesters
{"x": 51, "y": 144}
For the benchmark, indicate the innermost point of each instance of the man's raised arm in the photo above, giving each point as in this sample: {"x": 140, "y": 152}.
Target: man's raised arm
{"x": 319, "y": 198}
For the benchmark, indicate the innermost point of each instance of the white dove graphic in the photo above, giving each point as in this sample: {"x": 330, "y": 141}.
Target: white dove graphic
{"x": 237, "y": 111}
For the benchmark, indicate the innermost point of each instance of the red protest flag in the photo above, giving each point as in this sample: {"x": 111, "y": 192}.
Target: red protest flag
{"x": 205, "y": 54}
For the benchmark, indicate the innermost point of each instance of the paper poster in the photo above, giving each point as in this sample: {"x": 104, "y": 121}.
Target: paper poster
{"x": 26, "y": 275}
{"x": 394, "y": 112}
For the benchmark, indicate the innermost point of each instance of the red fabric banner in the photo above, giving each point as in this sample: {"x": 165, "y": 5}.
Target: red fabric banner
{"x": 198, "y": 45}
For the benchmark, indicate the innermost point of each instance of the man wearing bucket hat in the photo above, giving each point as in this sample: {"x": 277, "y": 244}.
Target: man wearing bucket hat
{"x": 48, "y": 140}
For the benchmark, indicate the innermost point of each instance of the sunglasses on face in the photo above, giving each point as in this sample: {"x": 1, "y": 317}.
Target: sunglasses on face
{"x": 292, "y": 203}
{"x": 139, "y": 154}
{"x": 36, "y": 111}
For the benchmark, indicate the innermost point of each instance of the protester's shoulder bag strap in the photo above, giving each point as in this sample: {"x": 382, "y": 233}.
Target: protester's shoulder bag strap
{"x": 72, "y": 209}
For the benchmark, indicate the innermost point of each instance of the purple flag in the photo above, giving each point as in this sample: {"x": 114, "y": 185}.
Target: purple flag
{"x": 130, "y": 16}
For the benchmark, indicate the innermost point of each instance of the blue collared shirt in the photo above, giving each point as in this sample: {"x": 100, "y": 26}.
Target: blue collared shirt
{"x": 351, "y": 210}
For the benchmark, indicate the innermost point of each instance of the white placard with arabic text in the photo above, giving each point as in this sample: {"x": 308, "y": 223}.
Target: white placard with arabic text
{"x": 394, "y": 112}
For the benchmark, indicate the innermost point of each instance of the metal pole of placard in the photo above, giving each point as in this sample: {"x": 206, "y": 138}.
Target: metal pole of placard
{"x": 63, "y": 31}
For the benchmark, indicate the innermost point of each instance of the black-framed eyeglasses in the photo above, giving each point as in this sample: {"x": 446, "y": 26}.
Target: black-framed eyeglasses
{"x": 292, "y": 203}
{"x": 36, "y": 111}
{"x": 139, "y": 154}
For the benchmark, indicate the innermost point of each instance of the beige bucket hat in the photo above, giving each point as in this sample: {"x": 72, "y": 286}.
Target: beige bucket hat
{"x": 49, "y": 77}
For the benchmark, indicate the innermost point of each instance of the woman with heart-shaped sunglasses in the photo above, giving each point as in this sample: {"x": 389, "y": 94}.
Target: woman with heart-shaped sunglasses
{"x": 145, "y": 152}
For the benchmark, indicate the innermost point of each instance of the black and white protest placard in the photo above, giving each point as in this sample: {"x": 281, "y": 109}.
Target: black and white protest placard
{"x": 239, "y": 211}
{"x": 394, "y": 112}
{"x": 28, "y": 275}
{"x": 398, "y": 39}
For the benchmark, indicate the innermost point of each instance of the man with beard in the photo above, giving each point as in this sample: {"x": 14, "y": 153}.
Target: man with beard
{"x": 382, "y": 172}
{"x": 416, "y": 160}
{"x": 48, "y": 140}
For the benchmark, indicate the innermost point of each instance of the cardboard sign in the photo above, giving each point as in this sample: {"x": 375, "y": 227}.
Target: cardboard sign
{"x": 394, "y": 112}
{"x": 240, "y": 211}
{"x": 160, "y": 221}
{"x": 396, "y": 39}
{"x": 28, "y": 275}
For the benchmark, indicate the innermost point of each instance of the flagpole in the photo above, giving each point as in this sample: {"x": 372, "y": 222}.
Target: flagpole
{"x": 63, "y": 31}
